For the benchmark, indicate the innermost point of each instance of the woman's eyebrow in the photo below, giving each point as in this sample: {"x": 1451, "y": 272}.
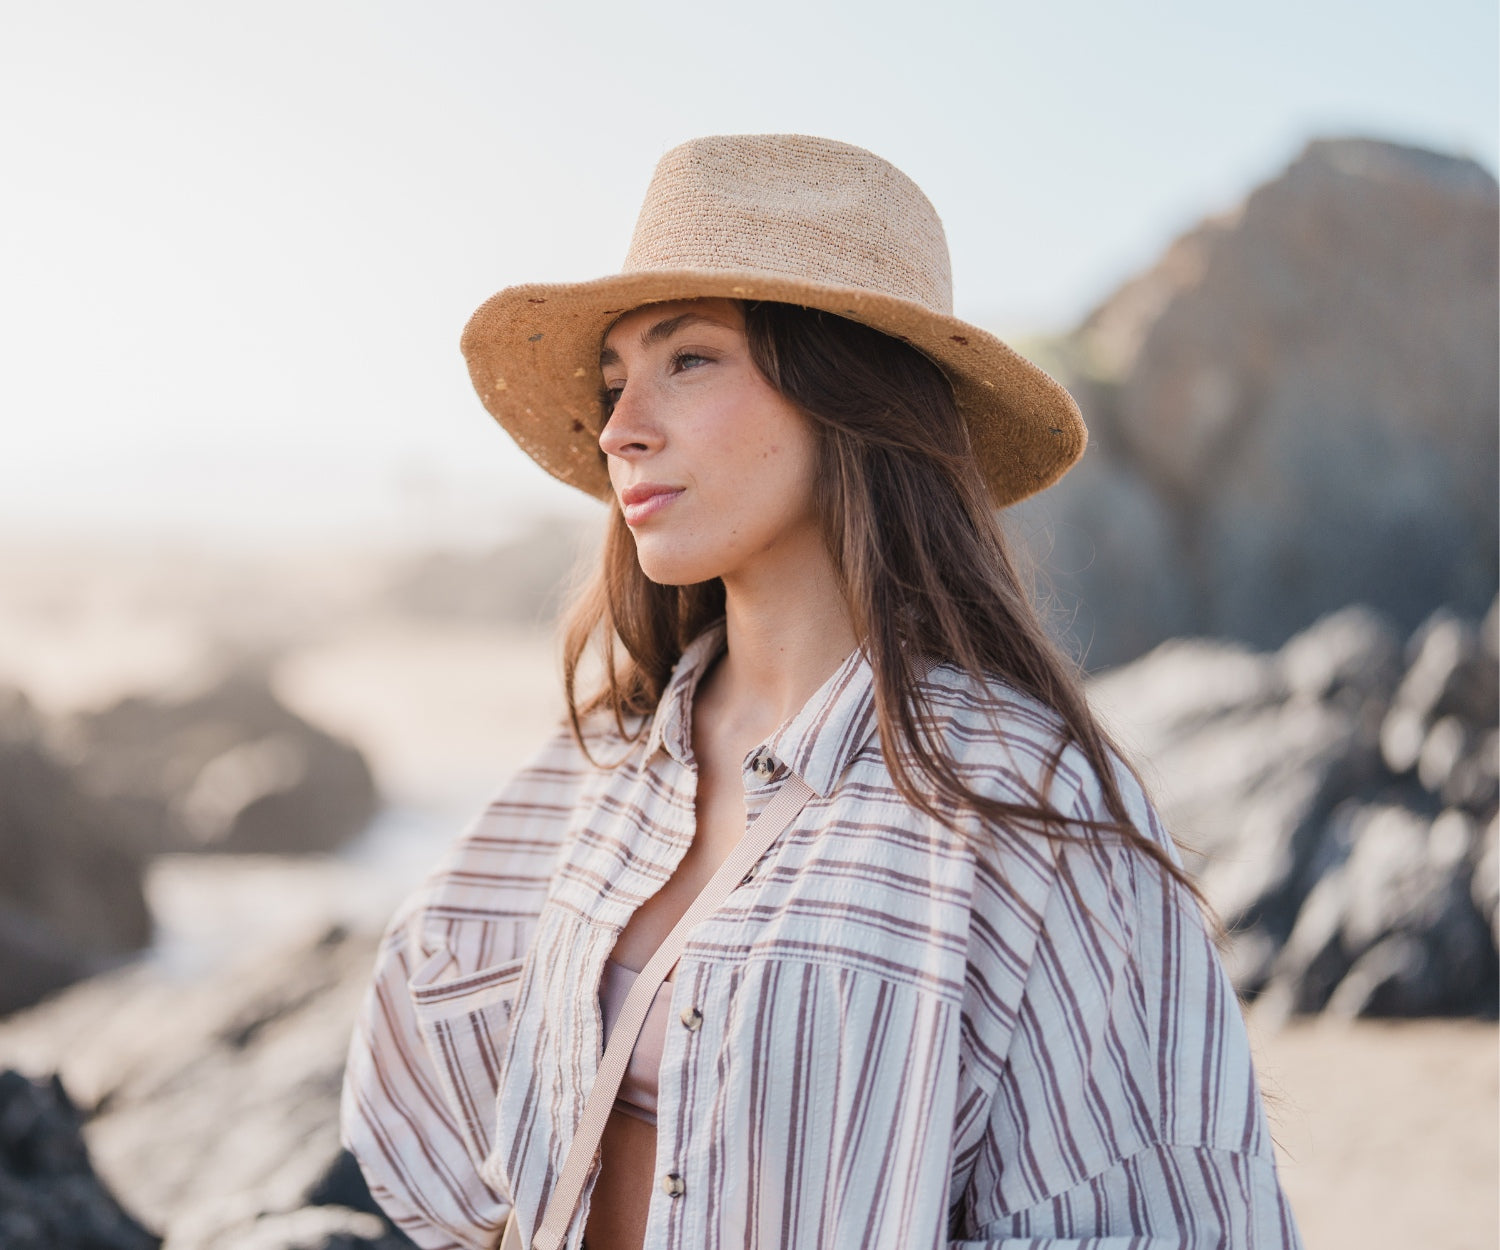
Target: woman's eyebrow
{"x": 660, "y": 331}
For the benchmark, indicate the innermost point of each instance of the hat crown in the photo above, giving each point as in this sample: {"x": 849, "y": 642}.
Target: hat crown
{"x": 811, "y": 208}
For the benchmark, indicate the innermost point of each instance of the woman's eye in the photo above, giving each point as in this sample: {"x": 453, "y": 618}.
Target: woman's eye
{"x": 609, "y": 396}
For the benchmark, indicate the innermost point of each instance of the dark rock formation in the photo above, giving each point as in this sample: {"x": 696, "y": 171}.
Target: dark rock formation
{"x": 228, "y": 769}
{"x": 214, "y": 1103}
{"x": 84, "y": 805}
{"x": 71, "y": 897}
{"x": 1295, "y": 409}
{"x": 50, "y": 1198}
{"x": 1337, "y": 800}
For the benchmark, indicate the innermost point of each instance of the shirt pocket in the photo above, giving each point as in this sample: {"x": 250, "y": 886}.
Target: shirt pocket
{"x": 465, "y": 1023}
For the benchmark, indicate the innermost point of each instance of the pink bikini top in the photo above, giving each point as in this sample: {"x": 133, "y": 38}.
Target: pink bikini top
{"x": 637, "y": 1094}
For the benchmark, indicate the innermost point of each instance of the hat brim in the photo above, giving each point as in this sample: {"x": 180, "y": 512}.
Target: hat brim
{"x": 533, "y": 356}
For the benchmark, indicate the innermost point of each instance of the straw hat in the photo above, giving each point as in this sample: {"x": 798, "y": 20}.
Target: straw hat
{"x": 789, "y": 218}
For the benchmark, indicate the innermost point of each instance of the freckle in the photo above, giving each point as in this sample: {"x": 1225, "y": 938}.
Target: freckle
{"x": 578, "y": 427}
{"x": 535, "y": 338}
{"x": 959, "y": 339}
{"x": 536, "y": 301}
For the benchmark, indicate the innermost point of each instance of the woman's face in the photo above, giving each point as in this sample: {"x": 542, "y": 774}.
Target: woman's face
{"x": 713, "y": 468}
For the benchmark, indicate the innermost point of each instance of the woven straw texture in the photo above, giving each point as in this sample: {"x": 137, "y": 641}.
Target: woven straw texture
{"x": 790, "y": 218}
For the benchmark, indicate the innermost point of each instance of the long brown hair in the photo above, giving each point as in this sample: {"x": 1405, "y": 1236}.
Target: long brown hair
{"x": 922, "y": 563}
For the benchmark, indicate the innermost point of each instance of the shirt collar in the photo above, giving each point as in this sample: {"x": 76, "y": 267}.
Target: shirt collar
{"x": 672, "y": 726}
{"x": 821, "y": 740}
{"x": 817, "y": 743}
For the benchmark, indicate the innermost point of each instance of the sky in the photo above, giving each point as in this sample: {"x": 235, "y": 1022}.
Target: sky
{"x": 238, "y": 240}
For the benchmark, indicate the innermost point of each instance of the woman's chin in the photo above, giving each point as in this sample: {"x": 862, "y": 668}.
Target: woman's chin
{"x": 672, "y": 568}
{"x": 672, "y": 576}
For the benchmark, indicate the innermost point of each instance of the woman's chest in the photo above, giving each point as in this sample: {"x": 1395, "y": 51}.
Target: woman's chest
{"x": 789, "y": 1077}
{"x": 718, "y": 826}
{"x": 817, "y": 1013}
{"x": 856, "y": 880}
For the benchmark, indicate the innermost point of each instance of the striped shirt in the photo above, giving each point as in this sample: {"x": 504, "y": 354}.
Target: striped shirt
{"x": 911, "y": 1035}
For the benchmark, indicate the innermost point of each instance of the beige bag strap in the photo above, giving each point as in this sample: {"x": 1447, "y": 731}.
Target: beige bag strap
{"x": 778, "y": 813}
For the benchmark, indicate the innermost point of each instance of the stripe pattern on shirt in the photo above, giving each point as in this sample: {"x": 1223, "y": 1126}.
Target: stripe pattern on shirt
{"x": 910, "y": 1035}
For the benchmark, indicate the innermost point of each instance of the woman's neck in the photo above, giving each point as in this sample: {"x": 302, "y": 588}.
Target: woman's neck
{"x": 787, "y": 629}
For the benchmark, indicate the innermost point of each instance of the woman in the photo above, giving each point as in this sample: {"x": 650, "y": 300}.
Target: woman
{"x": 965, "y": 996}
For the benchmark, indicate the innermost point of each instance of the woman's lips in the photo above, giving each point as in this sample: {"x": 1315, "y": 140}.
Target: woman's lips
{"x": 640, "y": 502}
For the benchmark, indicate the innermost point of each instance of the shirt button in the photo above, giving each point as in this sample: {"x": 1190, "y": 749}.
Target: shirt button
{"x": 672, "y": 1184}
{"x": 691, "y": 1019}
{"x": 763, "y": 764}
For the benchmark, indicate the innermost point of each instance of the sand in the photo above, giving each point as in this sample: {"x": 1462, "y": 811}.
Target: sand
{"x": 1388, "y": 1134}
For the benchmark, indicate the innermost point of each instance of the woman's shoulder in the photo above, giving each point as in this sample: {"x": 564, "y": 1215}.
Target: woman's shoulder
{"x": 1000, "y": 737}
{"x": 503, "y": 861}
{"x": 567, "y": 762}
{"x": 1009, "y": 745}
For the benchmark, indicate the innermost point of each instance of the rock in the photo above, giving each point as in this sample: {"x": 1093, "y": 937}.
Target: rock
{"x": 71, "y": 893}
{"x": 1450, "y": 672}
{"x": 1276, "y": 772}
{"x": 1401, "y": 738}
{"x": 1484, "y": 888}
{"x": 1252, "y": 759}
{"x": 1260, "y": 803}
{"x": 1352, "y": 656}
{"x": 227, "y": 769}
{"x": 1384, "y": 981}
{"x": 1118, "y": 534}
{"x": 1182, "y": 686}
{"x": 50, "y": 1197}
{"x": 1295, "y": 437}
{"x": 215, "y": 1102}
{"x": 1474, "y": 782}
{"x": 309, "y": 1228}
{"x": 1391, "y": 930}
{"x": 1388, "y": 885}
{"x": 1450, "y": 677}
{"x": 343, "y": 1185}
{"x": 1313, "y": 961}
{"x": 1446, "y": 743}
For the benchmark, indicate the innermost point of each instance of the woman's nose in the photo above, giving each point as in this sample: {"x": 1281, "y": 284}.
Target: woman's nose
{"x": 629, "y": 430}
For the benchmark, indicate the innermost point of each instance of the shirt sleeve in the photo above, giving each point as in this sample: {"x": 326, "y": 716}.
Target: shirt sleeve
{"x": 1159, "y": 1198}
{"x": 1127, "y": 1112}
{"x": 397, "y": 1123}
{"x": 425, "y": 1060}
